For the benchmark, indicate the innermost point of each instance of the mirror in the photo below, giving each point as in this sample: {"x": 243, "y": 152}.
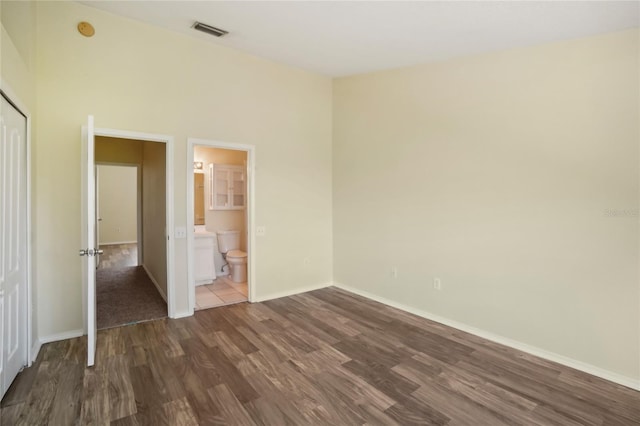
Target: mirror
{"x": 198, "y": 198}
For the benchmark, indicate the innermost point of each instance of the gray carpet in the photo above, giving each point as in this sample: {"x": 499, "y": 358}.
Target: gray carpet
{"x": 126, "y": 296}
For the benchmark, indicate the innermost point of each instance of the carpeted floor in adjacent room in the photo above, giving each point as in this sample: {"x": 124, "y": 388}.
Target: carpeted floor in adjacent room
{"x": 126, "y": 295}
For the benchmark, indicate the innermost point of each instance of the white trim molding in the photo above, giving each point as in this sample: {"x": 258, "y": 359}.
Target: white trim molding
{"x": 533, "y": 350}
{"x": 183, "y": 314}
{"x": 298, "y": 290}
{"x": 37, "y": 345}
{"x": 72, "y": 334}
{"x": 35, "y": 350}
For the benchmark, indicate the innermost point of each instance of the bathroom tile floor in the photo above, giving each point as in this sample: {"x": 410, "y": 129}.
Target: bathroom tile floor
{"x": 220, "y": 292}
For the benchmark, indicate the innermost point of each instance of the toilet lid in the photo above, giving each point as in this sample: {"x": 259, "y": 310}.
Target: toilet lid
{"x": 236, "y": 253}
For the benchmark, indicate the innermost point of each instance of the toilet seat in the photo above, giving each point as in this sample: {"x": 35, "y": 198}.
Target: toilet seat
{"x": 237, "y": 254}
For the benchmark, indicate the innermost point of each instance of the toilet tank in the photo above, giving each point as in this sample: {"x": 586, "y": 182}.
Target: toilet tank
{"x": 228, "y": 240}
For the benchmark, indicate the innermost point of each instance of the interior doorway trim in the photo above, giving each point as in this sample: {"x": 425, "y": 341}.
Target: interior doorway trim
{"x": 168, "y": 140}
{"x": 251, "y": 242}
{"x": 33, "y": 347}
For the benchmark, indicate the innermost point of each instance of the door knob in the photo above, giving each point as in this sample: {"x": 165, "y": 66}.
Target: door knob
{"x": 90, "y": 252}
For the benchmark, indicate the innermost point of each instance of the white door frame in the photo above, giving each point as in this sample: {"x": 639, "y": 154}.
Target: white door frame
{"x": 168, "y": 140}
{"x": 251, "y": 242}
{"x": 32, "y": 348}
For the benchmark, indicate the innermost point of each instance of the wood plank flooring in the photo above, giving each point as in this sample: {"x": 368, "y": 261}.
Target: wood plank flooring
{"x": 326, "y": 357}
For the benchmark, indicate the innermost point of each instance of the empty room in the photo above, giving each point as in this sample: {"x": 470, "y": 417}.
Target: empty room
{"x": 347, "y": 213}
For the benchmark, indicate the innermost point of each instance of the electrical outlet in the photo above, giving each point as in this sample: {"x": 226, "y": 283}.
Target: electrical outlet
{"x": 437, "y": 284}
{"x": 394, "y": 272}
{"x": 261, "y": 231}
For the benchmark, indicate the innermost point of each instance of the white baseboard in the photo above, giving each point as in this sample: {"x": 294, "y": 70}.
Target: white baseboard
{"x": 35, "y": 350}
{"x": 153, "y": 280}
{"x": 292, "y": 292}
{"x": 533, "y": 350}
{"x": 61, "y": 336}
{"x": 113, "y": 243}
{"x": 183, "y": 314}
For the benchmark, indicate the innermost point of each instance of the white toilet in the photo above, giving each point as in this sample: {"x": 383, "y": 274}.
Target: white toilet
{"x": 229, "y": 246}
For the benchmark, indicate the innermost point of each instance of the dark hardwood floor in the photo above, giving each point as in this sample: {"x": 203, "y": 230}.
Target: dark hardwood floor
{"x": 326, "y": 357}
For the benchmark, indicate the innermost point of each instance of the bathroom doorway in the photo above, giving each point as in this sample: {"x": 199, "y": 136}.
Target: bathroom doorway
{"x": 219, "y": 179}
{"x": 131, "y": 271}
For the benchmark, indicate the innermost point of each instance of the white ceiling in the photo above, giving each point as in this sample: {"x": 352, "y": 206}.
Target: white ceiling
{"x": 342, "y": 38}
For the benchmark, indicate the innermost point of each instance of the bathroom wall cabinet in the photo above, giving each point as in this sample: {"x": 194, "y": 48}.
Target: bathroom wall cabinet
{"x": 227, "y": 186}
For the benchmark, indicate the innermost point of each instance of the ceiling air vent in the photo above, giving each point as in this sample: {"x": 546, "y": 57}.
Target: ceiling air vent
{"x": 209, "y": 29}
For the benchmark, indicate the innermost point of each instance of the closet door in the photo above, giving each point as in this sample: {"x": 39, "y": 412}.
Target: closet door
{"x": 13, "y": 243}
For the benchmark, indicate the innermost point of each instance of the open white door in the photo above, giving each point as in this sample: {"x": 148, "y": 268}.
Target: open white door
{"x": 89, "y": 249}
{"x": 98, "y": 219}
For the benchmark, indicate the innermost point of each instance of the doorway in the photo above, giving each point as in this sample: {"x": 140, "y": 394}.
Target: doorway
{"x": 127, "y": 288}
{"x": 219, "y": 223}
{"x": 14, "y": 242}
{"x": 90, "y": 250}
{"x": 131, "y": 272}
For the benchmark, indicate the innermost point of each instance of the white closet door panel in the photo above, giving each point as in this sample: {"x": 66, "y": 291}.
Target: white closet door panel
{"x": 13, "y": 242}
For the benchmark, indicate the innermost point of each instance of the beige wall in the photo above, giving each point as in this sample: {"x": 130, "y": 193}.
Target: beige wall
{"x": 220, "y": 220}
{"x": 495, "y": 173}
{"x": 17, "y": 45}
{"x": 17, "y": 79}
{"x": 117, "y": 204}
{"x": 132, "y": 76}
{"x": 492, "y": 172}
{"x": 154, "y": 219}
